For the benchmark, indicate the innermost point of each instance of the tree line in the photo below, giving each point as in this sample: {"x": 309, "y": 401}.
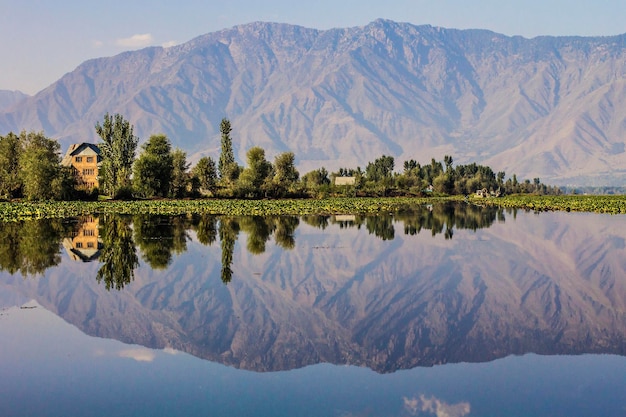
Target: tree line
{"x": 30, "y": 168}
{"x": 31, "y": 247}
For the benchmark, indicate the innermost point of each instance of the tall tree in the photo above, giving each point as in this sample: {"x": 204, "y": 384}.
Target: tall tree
{"x": 226, "y": 165}
{"x": 153, "y": 169}
{"x": 180, "y": 177}
{"x": 40, "y": 167}
{"x": 117, "y": 149}
{"x": 10, "y": 150}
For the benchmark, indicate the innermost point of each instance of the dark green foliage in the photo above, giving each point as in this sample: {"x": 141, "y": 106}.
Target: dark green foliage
{"x": 119, "y": 254}
{"x": 158, "y": 237}
{"x": 259, "y": 231}
{"x": 285, "y": 174}
{"x": 255, "y": 180}
{"x": 180, "y": 177}
{"x": 117, "y": 150}
{"x": 10, "y": 151}
{"x": 39, "y": 167}
{"x": 30, "y": 247}
{"x": 206, "y": 173}
{"x": 227, "y": 167}
{"x": 228, "y": 231}
{"x": 206, "y": 229}
{"x": 153, "y": 169}
{"x": 381, "y": 169}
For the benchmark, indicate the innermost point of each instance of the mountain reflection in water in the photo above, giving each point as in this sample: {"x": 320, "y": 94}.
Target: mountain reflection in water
{"x": 449, "y": 283}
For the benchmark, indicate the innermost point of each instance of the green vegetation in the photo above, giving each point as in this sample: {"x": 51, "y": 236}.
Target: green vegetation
{"x": 612, "y": 204}
{"x": 30, "y": 168}
{"x": 117, "y": 149}
{"x": 152, "y": 171}
{"x": 30, "y": 171}
{"x": 346, "y": 205}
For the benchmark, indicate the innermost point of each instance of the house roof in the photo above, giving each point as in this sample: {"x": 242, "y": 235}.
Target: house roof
{"x": 77, "y": 148}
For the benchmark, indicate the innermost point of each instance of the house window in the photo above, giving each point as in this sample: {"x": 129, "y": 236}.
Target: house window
{"x": 79, "y": 159}
{"x": 89, "y": 232}
{"x": 79, "y": 245}
{"x": 90, "y": 159}
{"x": 88, "y": 171}
{"x": 90, "y": 244}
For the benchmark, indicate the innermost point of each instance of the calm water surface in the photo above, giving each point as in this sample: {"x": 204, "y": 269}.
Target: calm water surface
{"x": 435, "y": 311}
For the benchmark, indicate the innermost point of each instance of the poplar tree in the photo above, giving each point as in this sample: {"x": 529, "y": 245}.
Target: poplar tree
{"x": 117, "y": 149}
{"x": 227, "y": 167}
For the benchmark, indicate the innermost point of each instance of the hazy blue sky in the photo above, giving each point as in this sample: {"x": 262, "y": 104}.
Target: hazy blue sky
{"x": 40, "y": 40}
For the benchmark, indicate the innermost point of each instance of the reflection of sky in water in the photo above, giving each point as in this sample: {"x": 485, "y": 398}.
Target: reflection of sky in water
{"x": 370, "y": 295}
{"x": 49, "y": 368}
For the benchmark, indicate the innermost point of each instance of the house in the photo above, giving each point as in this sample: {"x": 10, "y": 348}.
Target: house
{"x": 85, "y": 159}
{"x": 345, "y": 180}
{"x": 84, "y": 243}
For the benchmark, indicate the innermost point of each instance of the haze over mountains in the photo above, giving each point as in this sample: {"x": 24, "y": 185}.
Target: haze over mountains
{"x": 9, "y": 98}
{"x": 548, "y": 107}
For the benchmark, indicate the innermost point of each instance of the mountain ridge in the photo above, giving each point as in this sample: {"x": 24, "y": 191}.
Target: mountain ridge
{"x": 548, "y": 107}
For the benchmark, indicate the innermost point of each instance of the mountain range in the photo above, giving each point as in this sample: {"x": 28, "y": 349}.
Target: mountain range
{"x": 547, "y": 107}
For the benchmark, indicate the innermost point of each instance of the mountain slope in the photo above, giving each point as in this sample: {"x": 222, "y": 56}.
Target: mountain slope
{"x": 8, "y": 98}
{"x": 547, "y": 107}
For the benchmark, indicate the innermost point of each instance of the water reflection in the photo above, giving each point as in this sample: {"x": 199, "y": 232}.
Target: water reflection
{"x": 373, "y": 291}
{"x": 31, "y": 247}
{"x": 118, "y": 254}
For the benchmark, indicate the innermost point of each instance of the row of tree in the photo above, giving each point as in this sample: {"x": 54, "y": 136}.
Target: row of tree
{"x": 31, "y": 247}
{"x": 30, "y": 168}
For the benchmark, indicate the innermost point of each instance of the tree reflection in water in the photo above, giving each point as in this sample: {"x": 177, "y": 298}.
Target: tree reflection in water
{"x": 31, "y": 247}
{"x": 119, "y": 253}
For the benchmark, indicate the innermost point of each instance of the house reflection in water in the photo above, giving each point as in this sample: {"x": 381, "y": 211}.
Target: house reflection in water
{"x": 84, "y": 243}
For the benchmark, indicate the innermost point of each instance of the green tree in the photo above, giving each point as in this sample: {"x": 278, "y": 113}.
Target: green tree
{"x": 206, "y": 229}
{"x": 180, "y": 177}
{"x": 316, "y": 178}
{"x": 153, "y": 169}
{"x": 228, "y": 232}
{"x": 252, "y": 179}
{"x": 117, "y": 149}
{"x": 206, "y": 173}
{"x": 158, "y": 237}
{"x": 119, "y": 253}
{"x": 380, "y": 169}
{"x": 227, "y": 167}
{"x": 285, "y": 173}
{"x": 40, "y": 167}
{"x": 10, "y": 151}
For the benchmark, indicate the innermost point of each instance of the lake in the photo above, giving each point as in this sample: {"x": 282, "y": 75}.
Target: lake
{"x": 446, "y": 310}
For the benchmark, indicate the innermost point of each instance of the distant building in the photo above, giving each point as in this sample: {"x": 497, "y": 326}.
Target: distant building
{"x": 85, "y": 160}
{"x": 345, "y": 180}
